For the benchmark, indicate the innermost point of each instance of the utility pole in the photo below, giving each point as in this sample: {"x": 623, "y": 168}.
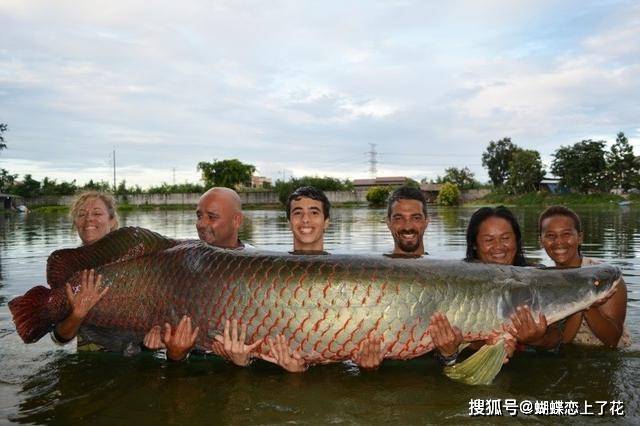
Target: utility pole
{"x": 174, "y": 176}
{"x": 114, "y": 171}
{"x": 373, "y": 161}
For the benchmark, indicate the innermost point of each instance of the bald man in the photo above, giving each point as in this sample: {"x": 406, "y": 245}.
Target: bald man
{"x": 219, "y": 217}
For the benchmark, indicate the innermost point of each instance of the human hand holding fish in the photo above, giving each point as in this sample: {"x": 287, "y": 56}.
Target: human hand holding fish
{"x": 446, "y": 338}
{"x": 279, "y": 354}
{"x": 180, "y": 342}
{"x": 87, "y": 294}
{"x": 153, "y": 339}
{"x": 232, "y": 347}
{"x": 370, "y": 353}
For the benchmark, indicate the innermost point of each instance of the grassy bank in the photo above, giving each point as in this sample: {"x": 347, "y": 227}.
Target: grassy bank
{"x": 547, "y": 199}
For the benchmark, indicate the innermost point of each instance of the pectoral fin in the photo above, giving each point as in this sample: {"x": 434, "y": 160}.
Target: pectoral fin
{"x": 481, "y": 367}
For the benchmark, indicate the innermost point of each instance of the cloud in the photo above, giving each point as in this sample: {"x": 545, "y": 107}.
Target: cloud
{"x": 305, "y": 87}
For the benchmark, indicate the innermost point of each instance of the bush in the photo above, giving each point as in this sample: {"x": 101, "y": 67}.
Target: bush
{"x": 449, "y": 194}
{"x": 377, "y": 196}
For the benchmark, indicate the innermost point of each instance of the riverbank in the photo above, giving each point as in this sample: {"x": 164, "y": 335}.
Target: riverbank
{"x": 548, "y": 199}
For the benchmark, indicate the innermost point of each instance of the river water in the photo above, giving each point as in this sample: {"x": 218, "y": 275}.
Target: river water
{"x": 44, "y": 384}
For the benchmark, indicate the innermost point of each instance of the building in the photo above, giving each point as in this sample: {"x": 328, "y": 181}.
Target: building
{"x": 365, "y": 184}
{"x": 260, "y": 182}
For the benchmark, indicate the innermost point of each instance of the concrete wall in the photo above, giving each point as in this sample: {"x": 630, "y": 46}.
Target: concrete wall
{"x": 473, "y": 194}
{"x": 256, "y": 198}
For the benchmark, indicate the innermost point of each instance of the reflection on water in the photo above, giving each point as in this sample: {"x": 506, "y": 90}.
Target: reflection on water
{"x": 42, "y": 384}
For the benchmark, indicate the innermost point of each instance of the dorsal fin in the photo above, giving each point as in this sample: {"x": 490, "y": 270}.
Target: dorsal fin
{"x": 119, "y": 245}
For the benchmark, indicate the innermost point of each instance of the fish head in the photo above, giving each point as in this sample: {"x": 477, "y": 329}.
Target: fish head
{"x": 576, "y": 289}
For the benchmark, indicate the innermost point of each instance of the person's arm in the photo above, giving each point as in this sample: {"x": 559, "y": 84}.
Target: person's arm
{"x": 232, "y": 347}
{"x": 606, "y": 317}
{"x": 571, "y": 327}
{"x": 89, "y": 293}
{"x": 537, "y": 334}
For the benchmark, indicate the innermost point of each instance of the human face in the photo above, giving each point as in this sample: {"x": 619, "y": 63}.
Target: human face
{"x": 218, "y": 222}
{"x": 92, "y": 221}
{"x": 496, "y": 241}
{"x": 561, "y": 240}
{"x": 407, "y": 224}
{"x": 307, "y": 223}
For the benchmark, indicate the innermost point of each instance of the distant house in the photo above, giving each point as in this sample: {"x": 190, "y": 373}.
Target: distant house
{"x": 553, "y": 186}
{"x": 365, "y": 184}
{"x": 430, "y": 191}
{"x": 260, "y": 182}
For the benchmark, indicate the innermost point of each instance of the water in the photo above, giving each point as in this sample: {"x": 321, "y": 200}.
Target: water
{"x": 43, "y": 384}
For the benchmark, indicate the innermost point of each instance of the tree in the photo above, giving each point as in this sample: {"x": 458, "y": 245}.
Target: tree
{"x": 378, "y": 195}
{"x": 28, "y": 188}
{"x": 462, "y": 178}
{"x": 3, "y": 128}
{"x": 227, "y": 173}
{"x": 622, "y": 163}
{"x": 496, "y": 159}
{"x": 102, "y": 185}
{"x": 582, "y": 166}
{"x": 7, "y": 180}
{"x": 448, "y": 195}
{"x": 285, "y": 188}
{"x": 525, "y": 171}
{"x": 51, "y": 187}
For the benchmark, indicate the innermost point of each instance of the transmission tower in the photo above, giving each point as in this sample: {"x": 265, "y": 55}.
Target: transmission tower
{"x": 373, "y": 161}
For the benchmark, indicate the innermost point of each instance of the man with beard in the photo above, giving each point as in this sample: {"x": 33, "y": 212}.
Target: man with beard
{"x": 407, "y": 220}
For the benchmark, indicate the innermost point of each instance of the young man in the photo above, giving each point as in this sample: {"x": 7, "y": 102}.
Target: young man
{"x": 308, "y": 211}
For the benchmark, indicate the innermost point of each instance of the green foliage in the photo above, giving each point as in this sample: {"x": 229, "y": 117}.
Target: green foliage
{"x": 625, "y": 170}
{"x": 3, "y": 128}
{"x": 496, "y": 160}
{"x": 28, "y": 187}
{"x": 51, "y": 187}
{"x": 463, "y": 178}
{"x": 227, "y": 173}
{"x": 285, "y": 188}
{"x": 525, "y": 172}
{"x": 412, "y": 183}
{"x": 582, "y": 167}
{"x": 449, "y": 194}
{"x": 182, "y": 188}
{"x": 377, "y": 196}
{"x": 102, "y": 186}
{"x": 7, "y": 180}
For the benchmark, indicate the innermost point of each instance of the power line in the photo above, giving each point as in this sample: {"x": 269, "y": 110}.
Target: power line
{"x": 373, "y": 162}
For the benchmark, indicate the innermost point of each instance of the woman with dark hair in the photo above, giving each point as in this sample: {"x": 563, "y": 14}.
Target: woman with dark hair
{"x": 560, "y": 233}
{"x": 494, "y": 236}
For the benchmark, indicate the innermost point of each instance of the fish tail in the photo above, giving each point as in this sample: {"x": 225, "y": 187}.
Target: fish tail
{"x": 481, "y": 367}
{"x": 30, "y": 314}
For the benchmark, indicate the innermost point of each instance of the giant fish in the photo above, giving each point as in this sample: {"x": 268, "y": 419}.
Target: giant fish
{"x": 325, "y": 305}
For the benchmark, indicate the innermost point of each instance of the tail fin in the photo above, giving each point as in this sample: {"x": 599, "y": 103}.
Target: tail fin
{"x": 30, "y": 314}
{"x": 481, "y": 367}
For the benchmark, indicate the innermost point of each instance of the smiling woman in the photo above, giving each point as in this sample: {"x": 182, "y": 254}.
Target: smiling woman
{"x": 94, "y": 215}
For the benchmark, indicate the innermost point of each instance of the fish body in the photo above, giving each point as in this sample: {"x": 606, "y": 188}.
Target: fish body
{"x": 325, "y": 305}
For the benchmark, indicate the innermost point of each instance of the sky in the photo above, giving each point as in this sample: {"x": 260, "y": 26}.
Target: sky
{"x": 304, "y": 87}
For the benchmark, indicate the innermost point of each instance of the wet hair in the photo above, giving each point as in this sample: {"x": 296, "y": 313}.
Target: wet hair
{"x": 474, "y": 227}
{"x": 560, "y": 211}
{"x": 314, "y": 194}
{"x": 107, "y": 199}
{"x": 406, "y": 193}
